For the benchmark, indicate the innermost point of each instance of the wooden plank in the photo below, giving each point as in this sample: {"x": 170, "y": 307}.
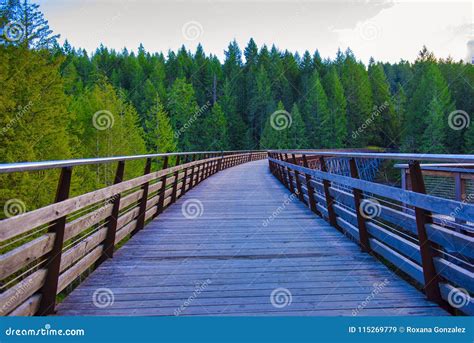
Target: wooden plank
{"x": 80, "y": 267}
{"x": 28, "y": 308}
{"x": 18, "y": 258}
{"x": 16, "y": 295}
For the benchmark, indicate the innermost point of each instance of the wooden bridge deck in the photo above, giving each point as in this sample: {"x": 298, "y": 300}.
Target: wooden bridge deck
{"x": 229, "y": 261}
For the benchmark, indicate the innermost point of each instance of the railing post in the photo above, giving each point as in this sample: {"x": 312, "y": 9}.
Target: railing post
{"x": 143, "y": 201}
{"x": 280, "y": 170}
{"x": 284, "y": 173}
{"x": 205, "y": 167}
{"x": 404, "y": 185}
{"x": 214, "y": 164}
{"x": 191, "y": 159}
{"x": 427, "y": 253}
{"x": 161, "y": 201}
{"x": 201, "y": 169}
{"x": 219, "y": 165}
{"x": 191, "y": 176}
{"x": 298, "y": 181}
{"x": 327, "y": 193}
{"x": 53, "y": 264}
{"x": 459, "y": 190}
{"x": 109, "y": 242}
{"x": 271, "y": 164}
{"x": 175, "y": 183}
{"x": 363, "y": 234}
{"x": 210, "y": 166}
{"x": 185, "y": 177}
{"x": 312, "y": 200}
{"x": 290, "y": 178}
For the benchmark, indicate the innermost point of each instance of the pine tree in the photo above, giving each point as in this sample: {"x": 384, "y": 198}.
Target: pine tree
{"x": 275, "y": 132}
{"x": 25, "y": 25}
{"x": 260, "y": 104}
{"x": 430, "y": 86}
{"x": 105, "y": 125}
{"x": 159, "y": 136}
{"x": 215, "y": 135}
{"x": 384, "y": 126}
{"x": 355, "y": 82}
{"x": 237, "y": 129}
{"x": 185, "y": 114}
{"x": 34, "y": 118}
{"x": 297, "y": 138}
{"x": 334, "y": 134}
{"x": 314, "y": 110}
{"x": 433, "y": 138}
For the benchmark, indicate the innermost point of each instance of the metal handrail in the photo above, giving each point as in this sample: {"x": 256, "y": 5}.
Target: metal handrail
{"x": 40, "y": 165}
{"x": 464, "y": 168}
{"x": 386, "y": 156}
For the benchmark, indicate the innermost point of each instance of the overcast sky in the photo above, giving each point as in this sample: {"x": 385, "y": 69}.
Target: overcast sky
{"x": 386, "y": 30}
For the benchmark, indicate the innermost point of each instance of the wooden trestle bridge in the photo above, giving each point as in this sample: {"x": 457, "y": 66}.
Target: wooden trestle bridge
{"x": 242, "y": 233}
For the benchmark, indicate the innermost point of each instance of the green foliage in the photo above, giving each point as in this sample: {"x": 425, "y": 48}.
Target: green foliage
{"x": 386, "y": 121}
{"x": 355, "y": 81}
{"x": 260, "y": 103}
{"x": 314, "y": 110}
{"x": 275, "y": 132}
{"x": 296, "y": 137}
{"x": 431, "y": 98}
{"x": 237, "y": 129}
{"x": 335, "y": 136}
{"x": 105, "y": 125}
{"x": 159, "y": 136}
{"x": 33, "y": 121}
{"x": 184, "y": 113}
{"x": 215, "y": 134}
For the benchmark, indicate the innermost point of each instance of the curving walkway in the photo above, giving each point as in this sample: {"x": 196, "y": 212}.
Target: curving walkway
{"x": 252, "y": 249}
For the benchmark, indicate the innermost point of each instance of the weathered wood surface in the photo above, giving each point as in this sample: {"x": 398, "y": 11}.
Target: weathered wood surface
{"x": 251, "y": 239}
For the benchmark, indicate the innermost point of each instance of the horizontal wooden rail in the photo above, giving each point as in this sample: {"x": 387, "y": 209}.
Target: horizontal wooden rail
{"x": 75, "y": 235}
{"x": 433, "y": 253}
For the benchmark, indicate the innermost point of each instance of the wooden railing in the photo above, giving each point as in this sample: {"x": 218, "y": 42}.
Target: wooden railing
{"x": 426, "y": 244}
{"x": 62, "y": 242}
